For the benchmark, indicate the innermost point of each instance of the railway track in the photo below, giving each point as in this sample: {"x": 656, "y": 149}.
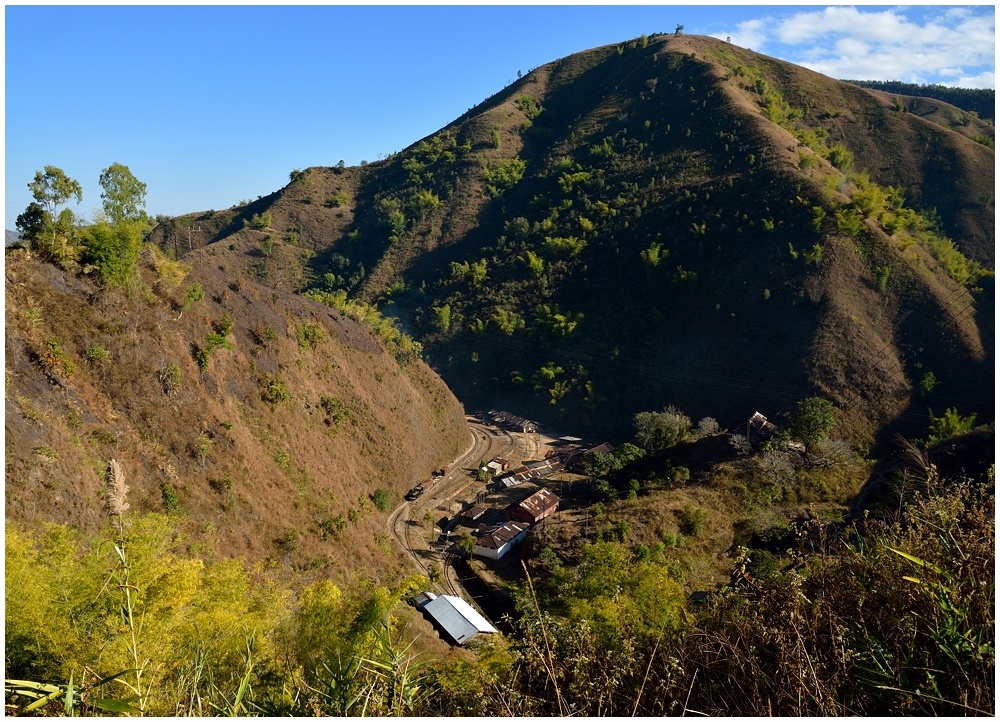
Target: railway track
{"x": 486, "y": 444}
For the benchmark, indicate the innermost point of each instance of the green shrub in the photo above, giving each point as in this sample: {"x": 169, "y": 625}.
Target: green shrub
{"x": 563, "y": 247}
{"x": 274, "y": 391}
{"x": 883, "y": 273}
{"x": 258, "y": 222}
{"x": 928, "y": 383}
{"x": 814, "y": 256}
{"x": 692, "y": 520}
{"x": 114, "y": 250}
{"x": 840, "y": 158}
{"x": 224, "y": 326}
{"x": 193, "y": 293}
{"x": 442, "y": 317}
{"x": 309, "y": 334}
{"x": 53, "y": 356}
{"x": 948, "y": 425}
{"x": 381, "y": 499}
{"x": 97, "y": 354}
{"x": 336, "y": 410}
{"x": 818, "y": 216}
{"x": 171, "y": 501}
{"x": 529, "y": 107}
{"x": 504, "y": 176}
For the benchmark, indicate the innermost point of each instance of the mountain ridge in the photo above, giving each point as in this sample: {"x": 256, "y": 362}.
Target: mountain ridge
{"x": 696, "y": 141}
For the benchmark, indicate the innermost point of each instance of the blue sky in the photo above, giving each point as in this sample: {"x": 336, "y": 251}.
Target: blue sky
{"x": 212, "y": 105}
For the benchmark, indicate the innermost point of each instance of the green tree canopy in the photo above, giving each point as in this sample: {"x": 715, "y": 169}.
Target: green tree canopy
{"x": 657, "y": 431}
{"x": 52, "y": 188}
{"x": 813, "y": 419}
{"x": 124, "y": 195}
{"x": 50, "y": 231}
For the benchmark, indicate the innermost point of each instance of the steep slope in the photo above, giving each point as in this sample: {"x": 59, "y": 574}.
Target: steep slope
{"x": 670, "y": 220}
{"x": 264, "y": 422}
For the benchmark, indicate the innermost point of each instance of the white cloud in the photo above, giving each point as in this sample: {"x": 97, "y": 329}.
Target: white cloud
{"x": 811, "y": 26}
{"x": 916, "y": 44}
{"x": 748, "y": 34}
{"x": 986, "y": 79}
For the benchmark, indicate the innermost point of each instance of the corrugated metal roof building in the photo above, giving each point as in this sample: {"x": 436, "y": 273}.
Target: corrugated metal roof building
{"x": 494, "y": 541}
{"x": 535, "y": 508}
{"x": 457, "y": 618}
{"x": 532, "y": 470}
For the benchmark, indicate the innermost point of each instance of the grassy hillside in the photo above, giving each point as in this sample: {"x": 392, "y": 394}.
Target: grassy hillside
{"x": 669, "y": 220}
{"x": 263, "y": 422}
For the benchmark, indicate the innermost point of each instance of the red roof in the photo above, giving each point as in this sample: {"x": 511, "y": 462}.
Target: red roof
{"x": 539, "y": 503}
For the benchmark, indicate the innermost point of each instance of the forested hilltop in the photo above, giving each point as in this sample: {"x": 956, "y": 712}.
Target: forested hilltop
{"x": 768, "y": 293}
{"x": 981, "y": 101}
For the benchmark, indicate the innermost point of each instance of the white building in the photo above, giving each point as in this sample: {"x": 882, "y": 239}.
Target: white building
{"x": 495, "y": 541}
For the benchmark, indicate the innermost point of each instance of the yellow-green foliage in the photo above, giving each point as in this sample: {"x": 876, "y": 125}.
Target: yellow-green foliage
{"x": 550, "y": 319}
{"x": 114, "y": 250}
{"x": 563, "y": 247}
{"x": 568, "y": 181}
{"x": 503, "y": 176}
{"x": 529, "y": 107}
{"x": 424, "y": 201}
{"x": 474, "y": 273}
{"x": 404, "y": 348}
{"x": 887, "y": 206}
{"x": 319, "y": 621}
{"x": 870, "y": 198}
{"x": 535, "y": 263}
{"x": 615, "y": 593}
{"x": 189, "y": 634}
{"x": 507, "y": 321}
{"x": 442, "y": 317}
{"x": 65, "y": 611}
{"x": 170, "y": 274}
{"x": 309, "y": 334}
{"x": 652, "y": 256}
{"x": 960, "y": 268}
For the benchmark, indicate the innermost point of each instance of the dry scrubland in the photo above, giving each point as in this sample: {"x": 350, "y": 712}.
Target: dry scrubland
{"x": 273, "y": 451}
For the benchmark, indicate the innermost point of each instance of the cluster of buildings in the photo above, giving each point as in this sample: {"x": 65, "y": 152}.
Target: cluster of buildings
{"x": 505, "y": 529}
{"x": 456, "y": 618}
{"x": 496, "y": 539}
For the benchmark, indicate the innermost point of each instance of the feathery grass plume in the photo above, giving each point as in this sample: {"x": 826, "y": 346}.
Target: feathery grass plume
{"x": 117, "y": 489}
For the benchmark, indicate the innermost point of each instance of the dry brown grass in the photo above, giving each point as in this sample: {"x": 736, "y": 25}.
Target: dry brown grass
{"x": 270, "y": 480}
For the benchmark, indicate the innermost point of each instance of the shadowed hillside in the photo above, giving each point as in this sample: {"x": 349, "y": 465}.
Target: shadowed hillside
{"x": 669, "y": 220}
